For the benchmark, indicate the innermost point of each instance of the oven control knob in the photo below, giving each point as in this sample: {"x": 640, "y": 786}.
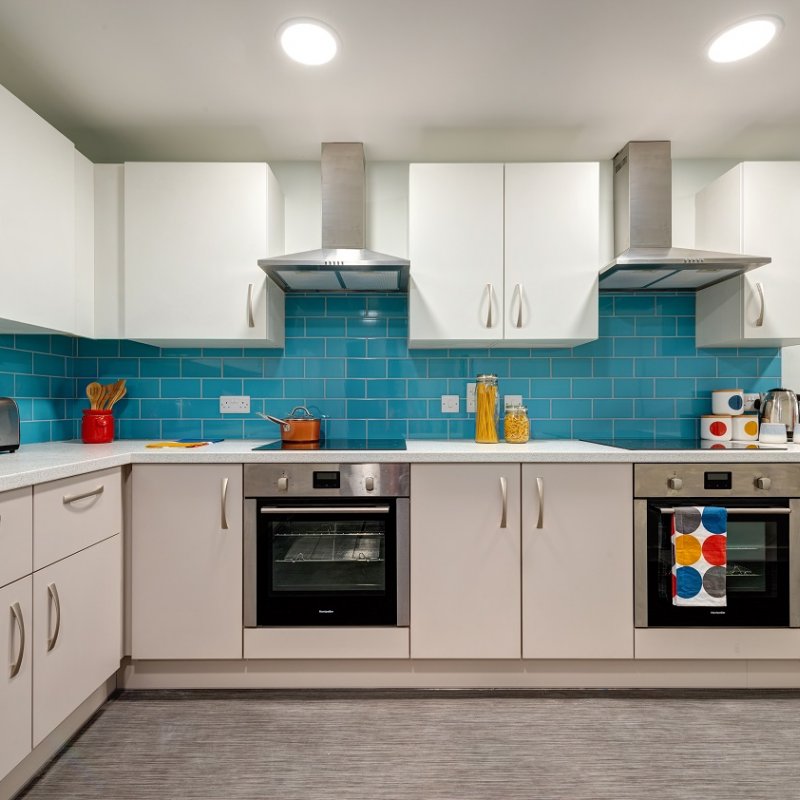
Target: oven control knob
{"x": 675, "y": 483}
{"x": 369, "y": 483}
{"x": 763, "y": 483}
{"x": 283, "y": 483}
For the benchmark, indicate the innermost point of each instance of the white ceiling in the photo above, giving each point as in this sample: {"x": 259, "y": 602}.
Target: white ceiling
{"x": 416, "y": 79}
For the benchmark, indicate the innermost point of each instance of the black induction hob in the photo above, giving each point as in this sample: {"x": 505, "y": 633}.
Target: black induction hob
{"x": 684, "y": 444}
{"x": 337, "y": 444}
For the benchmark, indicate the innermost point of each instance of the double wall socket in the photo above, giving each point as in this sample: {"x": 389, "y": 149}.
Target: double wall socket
{"x": 234, "y": 404}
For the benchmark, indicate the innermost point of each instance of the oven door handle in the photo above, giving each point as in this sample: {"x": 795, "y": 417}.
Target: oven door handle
{"x": 735, "y": 511}
{"x": 325, "y": 509}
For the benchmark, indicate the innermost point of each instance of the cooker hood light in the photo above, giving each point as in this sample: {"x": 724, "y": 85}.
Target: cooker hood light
{"x": 343, "y": 264}
{"x": 646, "y": 258}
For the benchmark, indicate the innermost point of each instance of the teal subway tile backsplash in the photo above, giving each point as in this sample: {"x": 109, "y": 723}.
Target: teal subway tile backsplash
{"x": 348, "y": 357}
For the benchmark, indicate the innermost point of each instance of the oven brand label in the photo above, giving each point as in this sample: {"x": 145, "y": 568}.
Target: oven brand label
{"x": 326, "y": 611}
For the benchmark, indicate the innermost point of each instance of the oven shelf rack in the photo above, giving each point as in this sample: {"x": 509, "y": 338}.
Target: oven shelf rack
{"x": 332, "y": 549}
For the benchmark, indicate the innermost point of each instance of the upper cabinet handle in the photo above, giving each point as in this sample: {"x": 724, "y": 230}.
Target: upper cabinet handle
{"x": 52, "y": 594}
{"x": 251, "y": 320}
{"x": 504, "y": 492}
{"x": 489, "y": 293}
{"x": 72, "y": 498}
{"x": 225, "y": 504}
{"x": 518, "y": 292}
{"x": 16, "y": 613}
{"x": 540, "y": 492}
{"x": 760, "y": 319}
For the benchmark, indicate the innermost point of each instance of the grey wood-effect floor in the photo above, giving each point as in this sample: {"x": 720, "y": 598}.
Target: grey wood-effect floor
{"x": 455, "y": 745}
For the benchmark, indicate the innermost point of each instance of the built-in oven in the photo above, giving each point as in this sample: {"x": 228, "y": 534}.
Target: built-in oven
{"x": 762, "y": 569}
{"x": 326, "y": 544}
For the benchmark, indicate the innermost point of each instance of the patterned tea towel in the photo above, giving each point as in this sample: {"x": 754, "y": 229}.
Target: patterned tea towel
{"x": 699, "y": 556}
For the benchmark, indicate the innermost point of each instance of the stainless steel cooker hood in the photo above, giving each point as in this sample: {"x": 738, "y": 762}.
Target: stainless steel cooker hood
{"x": 343, "y": 263}
{"x": 646, "y": 258}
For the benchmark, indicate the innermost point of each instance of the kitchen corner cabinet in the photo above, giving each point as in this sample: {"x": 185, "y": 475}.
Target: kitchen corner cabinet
{"x": 753, "y": 208}
{"x": 186, "y": 544}
{"x": 193, "y": 233}
{"x": 503, "y": 254}
{"x": 550, "y": 581}
{"x": 37, "y": 228}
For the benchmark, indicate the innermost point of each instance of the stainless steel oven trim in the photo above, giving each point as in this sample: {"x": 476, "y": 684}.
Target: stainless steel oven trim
{"x": 250, "y": 565}
{"x": 640, "y": 563}
{"x": 311, "y": 510}
{"x": 794, "y": 564}
{"x": 403, "y": 537}
{"x": 732, "y": 512}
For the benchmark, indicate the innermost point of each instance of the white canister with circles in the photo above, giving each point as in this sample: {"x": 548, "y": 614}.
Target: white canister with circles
{"x": 716, "y": 427}
{"x": 745, "y": 428}
{"x": 727, "y": 402}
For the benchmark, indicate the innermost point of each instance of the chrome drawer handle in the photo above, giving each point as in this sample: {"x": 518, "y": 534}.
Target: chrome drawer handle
{"x": 52, "y": 595}
{"x": 224, "y": 504}
{"x": 540, "y": 492}
{"x": 490, "y": 295}
{"x": 251, "y": 320}
{"x": 760, "y": 318}
{"x": 518, "y": 292}
{"x": 504, "y": 492}
{"x": 73, "y": 498}
{"x": 16, "y": 613}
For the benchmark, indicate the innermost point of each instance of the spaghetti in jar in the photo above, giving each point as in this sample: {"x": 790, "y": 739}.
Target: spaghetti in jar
{"x": 486, "y": 409}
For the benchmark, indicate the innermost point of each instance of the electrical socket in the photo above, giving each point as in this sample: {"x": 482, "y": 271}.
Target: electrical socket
{"x": 450, "y": 403}
{"x": 234, "y": 404}
{"x": 472, "y": 403}
{"x": 512, "y": 400}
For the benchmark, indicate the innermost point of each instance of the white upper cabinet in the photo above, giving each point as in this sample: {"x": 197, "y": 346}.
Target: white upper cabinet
{"x": 753, "y": 208}
{"x": 503, "y": 254}
{"x": 455, "y": 233}
{"x": 37, "y": 228}
{"x": 193, "y": 233}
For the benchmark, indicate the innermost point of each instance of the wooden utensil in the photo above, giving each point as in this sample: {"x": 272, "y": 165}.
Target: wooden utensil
{"x": 94, "y": 392}
{"x": 117, "y": 393}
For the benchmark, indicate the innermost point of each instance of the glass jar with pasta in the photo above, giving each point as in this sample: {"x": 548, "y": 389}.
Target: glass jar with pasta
{"x": 486, "y": 409}
{"x": 516, "y": 425}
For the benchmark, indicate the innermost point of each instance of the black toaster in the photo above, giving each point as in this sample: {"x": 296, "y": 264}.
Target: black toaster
{"x": 9, "y": 425}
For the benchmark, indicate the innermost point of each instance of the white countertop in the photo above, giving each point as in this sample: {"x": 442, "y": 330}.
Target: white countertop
{"x": 37, "y": 463}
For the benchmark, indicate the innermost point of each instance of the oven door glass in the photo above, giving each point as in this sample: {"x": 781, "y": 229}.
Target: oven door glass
{"x": 326, "y": 563}
{"x": 757, "y": 574}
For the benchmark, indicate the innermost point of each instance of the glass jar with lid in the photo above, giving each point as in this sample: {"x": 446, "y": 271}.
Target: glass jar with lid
{"x": 486, "y": 409}
{"x": 516, "y": 424}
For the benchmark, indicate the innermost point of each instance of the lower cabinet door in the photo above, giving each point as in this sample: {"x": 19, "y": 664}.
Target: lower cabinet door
{"x": 577, "y": 561}
{"x": 77, "y": 619}
{"x": 15, "y": 673}
{"x": 465, "y": 575}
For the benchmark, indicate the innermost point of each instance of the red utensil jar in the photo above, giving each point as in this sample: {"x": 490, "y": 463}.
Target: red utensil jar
{"x": 97, "y": 426}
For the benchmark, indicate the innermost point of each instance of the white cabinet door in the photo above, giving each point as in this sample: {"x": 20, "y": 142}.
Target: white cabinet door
{"x": 193, "y": 236}
{"x": 455, "y": 224}
{"x": 37, "y": 228}
{"x": 753, "y": 208}
{"x": 552, "y": 227}
{"x": 77, "y": 623}
{"x": 16, "y": 640}
{"x": 577, "y": 561}
{"x": 16, "y": 534}
{"x": 187, "y": 561}
{"x": 465, "y": 572}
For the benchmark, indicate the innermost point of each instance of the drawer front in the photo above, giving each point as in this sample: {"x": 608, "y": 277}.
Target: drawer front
{"x": 74, "y": 513}
{"x": 16, "y": 534}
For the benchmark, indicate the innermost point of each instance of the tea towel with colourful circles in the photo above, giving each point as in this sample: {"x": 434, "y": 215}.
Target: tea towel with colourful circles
{"x": 700, "y": 556}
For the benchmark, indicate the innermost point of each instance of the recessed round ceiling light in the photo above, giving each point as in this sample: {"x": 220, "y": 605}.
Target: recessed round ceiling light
{"x": 744, "y": 39}
{"x": 308, "y": 41}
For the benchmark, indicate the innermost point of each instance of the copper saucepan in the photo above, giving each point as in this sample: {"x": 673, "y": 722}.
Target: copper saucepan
{"x": 300, "y": 426}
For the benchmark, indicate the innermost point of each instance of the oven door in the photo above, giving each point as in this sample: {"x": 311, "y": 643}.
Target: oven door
{"x": 762, "y": 551}
{"x": 327, "y": 562}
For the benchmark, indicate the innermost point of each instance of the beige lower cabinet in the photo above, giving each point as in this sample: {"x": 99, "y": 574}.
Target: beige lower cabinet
{"x": 15, "y": 673}
{"x": 77, "y": 625}
{"x": 186, "y": 542}
{"x": 531, "y": 561}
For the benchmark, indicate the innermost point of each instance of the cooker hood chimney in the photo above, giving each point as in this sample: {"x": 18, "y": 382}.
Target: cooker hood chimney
{"x": 646, "y": 258}
{"x": 343, "y": 264}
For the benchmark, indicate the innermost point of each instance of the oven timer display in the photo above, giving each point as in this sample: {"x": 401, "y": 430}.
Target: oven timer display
{"x": 717, "y": 480}
{"x": 326, "y": 480}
